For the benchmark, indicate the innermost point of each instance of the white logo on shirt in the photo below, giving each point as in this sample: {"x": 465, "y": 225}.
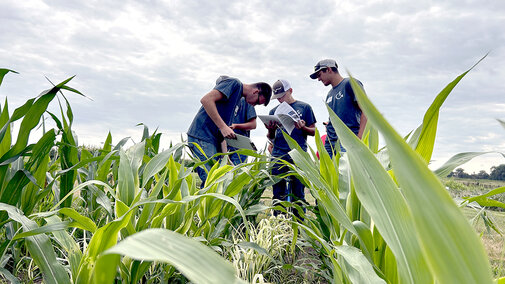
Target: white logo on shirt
{"x": 329, "y": 99}
{"x": 339, "y": 95}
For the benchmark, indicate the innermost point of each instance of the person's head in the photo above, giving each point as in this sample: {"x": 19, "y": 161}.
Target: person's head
{"x": 325, "y": 70}
{"x": 281, "y": 89}
{"x": 257, "y": 93}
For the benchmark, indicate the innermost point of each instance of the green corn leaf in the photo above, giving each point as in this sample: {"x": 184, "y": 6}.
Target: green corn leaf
{"x": 12, "y": 192}
{"x": 359, "y": 270}
{"x": 105, "y": 269}
{"x": 196, "y": 261}
{"x": 8, "y": 276}
{"x": 158, "y": 162}
{"x": 5, "y": 136}
{"x": 381, "y": 198}
{"x": 327, "y": 197}
{"x": 126, "y": 179}
{"x": 83, "y": 221}
{"x": 3, "y": 72}
{"x": 483, "y": 199}
{"x": 40, "y": 248}
{"x": 426, "y": 140}
{"x": 32, "y": 111}
{"x": 238, "y": 183}
{"x": 502, "y": 123}
{"x": 487, "y": 202}
{"x": 68, "y": 243}
{"x": 38, "y": 165}
{"x": 457, "y": 160}
{"x": 451, "y": 247}
{"x": 103, "y": 239}
{"x": 42, "y": 230}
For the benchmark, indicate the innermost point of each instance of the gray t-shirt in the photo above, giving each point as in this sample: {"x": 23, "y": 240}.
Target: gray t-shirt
{"x": 342, "y": 101}
{"x": 305, "y": 112}
{"x": 243, "y": 113}
{"x": 202, "y": 126}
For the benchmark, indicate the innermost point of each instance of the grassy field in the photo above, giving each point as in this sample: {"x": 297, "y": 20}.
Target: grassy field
{"x": 482, "y": 219}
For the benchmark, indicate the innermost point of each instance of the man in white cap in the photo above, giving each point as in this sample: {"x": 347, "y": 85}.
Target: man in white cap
{"x": 283, "y": 92}
{"x": 341, "y": 100}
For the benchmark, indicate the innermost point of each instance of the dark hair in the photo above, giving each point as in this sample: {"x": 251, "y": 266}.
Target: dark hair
{"x": 265, "y": 91}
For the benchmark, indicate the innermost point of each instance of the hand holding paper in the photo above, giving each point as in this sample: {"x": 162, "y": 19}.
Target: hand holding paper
{"x": 284, "y": 115}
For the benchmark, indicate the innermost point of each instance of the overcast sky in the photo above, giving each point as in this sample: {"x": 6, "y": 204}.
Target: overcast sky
{"x": 151, "y": 61}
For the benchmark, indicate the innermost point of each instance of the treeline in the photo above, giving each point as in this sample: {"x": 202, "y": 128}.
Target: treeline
{"x": 497, "y": 173}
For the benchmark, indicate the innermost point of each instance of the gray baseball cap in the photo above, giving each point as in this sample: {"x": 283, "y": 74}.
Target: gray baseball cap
{"x": 280, "y": 87}
{"x": 325, "y": 63}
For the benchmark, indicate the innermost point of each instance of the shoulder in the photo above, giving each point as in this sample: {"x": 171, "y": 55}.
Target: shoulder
{"x": 347, "y": 82}
{"x": 227, "y": 82}
{"x": 302, "y": 104}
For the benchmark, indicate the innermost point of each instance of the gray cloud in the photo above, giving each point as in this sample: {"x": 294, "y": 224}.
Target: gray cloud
{"x": 151, "y": 61}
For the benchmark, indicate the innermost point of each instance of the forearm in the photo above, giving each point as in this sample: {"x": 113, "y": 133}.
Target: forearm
{"x": 309, "y": 130}
{"x": 362, "y": 124}
{"x": 211, "y": 109}
{"x": 245, "y": 126}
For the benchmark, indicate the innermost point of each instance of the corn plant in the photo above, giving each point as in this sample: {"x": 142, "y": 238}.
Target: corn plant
{"x": 416, "y": 233}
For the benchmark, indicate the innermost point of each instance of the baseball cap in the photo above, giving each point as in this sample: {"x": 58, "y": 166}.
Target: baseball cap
{"x": 280, "y": 87}
{"x": 325, "y": 63}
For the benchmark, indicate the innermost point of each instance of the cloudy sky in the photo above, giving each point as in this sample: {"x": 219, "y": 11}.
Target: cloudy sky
{"x": 151, "y": 61}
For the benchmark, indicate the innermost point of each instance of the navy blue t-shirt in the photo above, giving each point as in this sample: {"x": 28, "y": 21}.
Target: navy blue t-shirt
{"x": 202, "y": 126}
{"x": 305, "y": 112}
{"x": 243, "y": 113}
{"x": 342, "y": 101}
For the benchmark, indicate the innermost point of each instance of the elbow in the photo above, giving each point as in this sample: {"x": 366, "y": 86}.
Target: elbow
{"x": 203, "y": 100}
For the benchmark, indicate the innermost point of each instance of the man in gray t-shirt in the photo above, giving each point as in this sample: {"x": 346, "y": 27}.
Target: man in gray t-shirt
{"x": 211, "y": 123}
{"x": 341, "y": 100}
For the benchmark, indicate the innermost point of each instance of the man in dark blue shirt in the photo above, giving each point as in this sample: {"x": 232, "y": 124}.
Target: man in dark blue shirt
{"x": 341, "y": 100}
{"x": 211, "y": 123}
{"x": 305, "y": 126}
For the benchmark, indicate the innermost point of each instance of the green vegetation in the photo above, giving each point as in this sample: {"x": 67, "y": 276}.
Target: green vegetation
{"x": 72, "y": 214}
{"x": 489, "y": 222}
{"x": 497, "y": 173}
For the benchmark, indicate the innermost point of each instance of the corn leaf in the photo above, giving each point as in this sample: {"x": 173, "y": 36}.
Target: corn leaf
{"x": 451, "y": 247}
{"x": 40, "y": 248}
{"x": 84, "y": 222}
{"x": 74, "y": 253}
{"x": 3, "y": 72}
{"x": 382, "y": 199}
{"x": 426, "y": 140}
{"x": 359, "y": 270}
{"x": 197, "y": 262}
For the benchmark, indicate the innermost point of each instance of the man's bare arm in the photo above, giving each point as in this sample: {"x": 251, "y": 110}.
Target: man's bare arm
{"x": 251, "y": 124}
{"x": 209, "y": 104}
{"x": 362, "y": 123}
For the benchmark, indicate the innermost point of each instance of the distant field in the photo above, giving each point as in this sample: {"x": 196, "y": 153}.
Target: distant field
{"x": 483, "y": 220}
